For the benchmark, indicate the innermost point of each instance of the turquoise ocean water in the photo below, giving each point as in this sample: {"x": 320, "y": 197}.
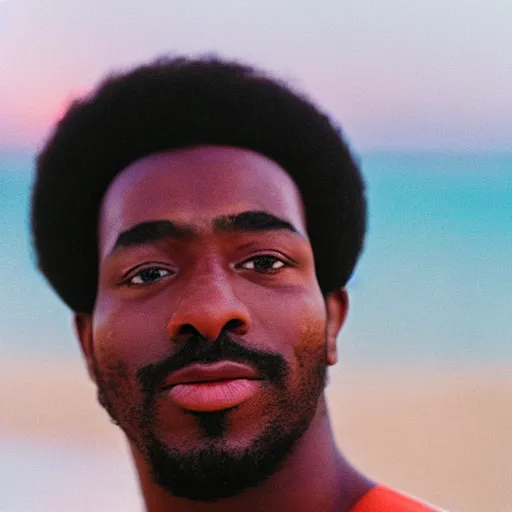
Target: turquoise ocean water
{"x": 434, "y": 284}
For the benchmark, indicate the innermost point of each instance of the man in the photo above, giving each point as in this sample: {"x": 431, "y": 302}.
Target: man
{"x": 201, "y": 220}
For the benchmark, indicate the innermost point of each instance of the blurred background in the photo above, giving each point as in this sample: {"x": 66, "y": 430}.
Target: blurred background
{"x": 422, "y": 396}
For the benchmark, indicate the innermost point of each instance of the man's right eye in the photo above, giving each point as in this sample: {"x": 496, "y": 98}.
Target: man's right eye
{"x": 148, "y": 275}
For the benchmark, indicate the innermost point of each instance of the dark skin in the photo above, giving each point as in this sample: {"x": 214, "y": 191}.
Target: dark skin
{"x": 213, "y": 240}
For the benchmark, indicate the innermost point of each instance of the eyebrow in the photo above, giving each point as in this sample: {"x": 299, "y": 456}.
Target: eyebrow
{"x": 252, "y": 221}
{"x": 154, "y": 231}
{"x": 151, "y": 231}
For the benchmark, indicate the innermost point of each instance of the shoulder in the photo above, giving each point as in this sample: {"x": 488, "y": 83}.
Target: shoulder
{"x": 384, "y": 499}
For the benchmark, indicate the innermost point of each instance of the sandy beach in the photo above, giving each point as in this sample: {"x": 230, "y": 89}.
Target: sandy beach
{"x": 439, "y": 433}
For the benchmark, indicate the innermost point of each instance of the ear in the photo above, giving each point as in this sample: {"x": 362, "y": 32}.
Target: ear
{"x": 337, "y": 308}
{"x": 83, "y": 328}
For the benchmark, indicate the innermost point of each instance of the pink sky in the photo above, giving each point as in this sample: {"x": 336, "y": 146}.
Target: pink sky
{"x": 394, "y": 75}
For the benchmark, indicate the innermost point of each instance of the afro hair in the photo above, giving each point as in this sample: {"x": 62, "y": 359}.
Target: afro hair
{"x": 182, "y": 102}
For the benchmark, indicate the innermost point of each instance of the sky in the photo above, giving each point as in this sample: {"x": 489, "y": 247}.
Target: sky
{"x": 398, "y": 74}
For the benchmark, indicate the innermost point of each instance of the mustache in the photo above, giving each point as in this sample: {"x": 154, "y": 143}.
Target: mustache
{"x": 198, "y": 350}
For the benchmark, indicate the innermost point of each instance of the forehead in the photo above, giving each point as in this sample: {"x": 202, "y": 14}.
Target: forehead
{"x": 196, "y": 185}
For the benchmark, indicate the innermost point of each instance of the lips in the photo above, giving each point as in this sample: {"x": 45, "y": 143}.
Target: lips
{"x": 211, "y": 387}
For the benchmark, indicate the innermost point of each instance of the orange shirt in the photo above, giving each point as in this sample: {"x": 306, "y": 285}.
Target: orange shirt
{"x": 383, "y": 499}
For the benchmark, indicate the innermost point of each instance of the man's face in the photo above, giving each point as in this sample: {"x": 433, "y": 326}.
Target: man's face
{"x": 208, "y": 336}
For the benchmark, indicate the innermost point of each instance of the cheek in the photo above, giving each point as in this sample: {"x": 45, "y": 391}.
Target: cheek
{"x": 117, "y": 359}
{"x": 291, "y": 323}
{"x": 312, "y": 334}
{"x": 310, "y": 351}
{"x": 128, "y": 335}
{"x": 113, "y": 362}
{"x": 311, "y": 321}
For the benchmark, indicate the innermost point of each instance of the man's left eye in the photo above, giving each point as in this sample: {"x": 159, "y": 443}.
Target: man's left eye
{"x": 264, "y": 264}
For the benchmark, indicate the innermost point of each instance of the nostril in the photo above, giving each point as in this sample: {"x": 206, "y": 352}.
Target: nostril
{"x": 188, "y": 329}
{"x": 207, "y": 322}
{"x": 233, "y": 325}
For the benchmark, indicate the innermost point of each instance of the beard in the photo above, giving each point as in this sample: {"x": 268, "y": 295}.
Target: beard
{"x": 217, "y": 469}
{"x": 216, "y": 472}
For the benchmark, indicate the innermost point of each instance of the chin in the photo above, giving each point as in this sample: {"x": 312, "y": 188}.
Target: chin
{"x": 215, "y": 468}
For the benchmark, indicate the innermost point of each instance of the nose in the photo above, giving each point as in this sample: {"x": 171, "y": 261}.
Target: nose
{"x": 209, "y": 306}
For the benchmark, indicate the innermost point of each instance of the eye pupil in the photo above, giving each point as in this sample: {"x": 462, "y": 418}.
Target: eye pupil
{"x": 150, "y": 274}
{"x": 264, "y": 262}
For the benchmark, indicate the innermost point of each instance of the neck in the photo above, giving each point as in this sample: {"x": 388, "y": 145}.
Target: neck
{"x": 315, "y": 476}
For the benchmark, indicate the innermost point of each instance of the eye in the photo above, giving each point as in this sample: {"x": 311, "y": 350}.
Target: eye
{"x": 264, "y": 264}
{"x": 148, "y": 275}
